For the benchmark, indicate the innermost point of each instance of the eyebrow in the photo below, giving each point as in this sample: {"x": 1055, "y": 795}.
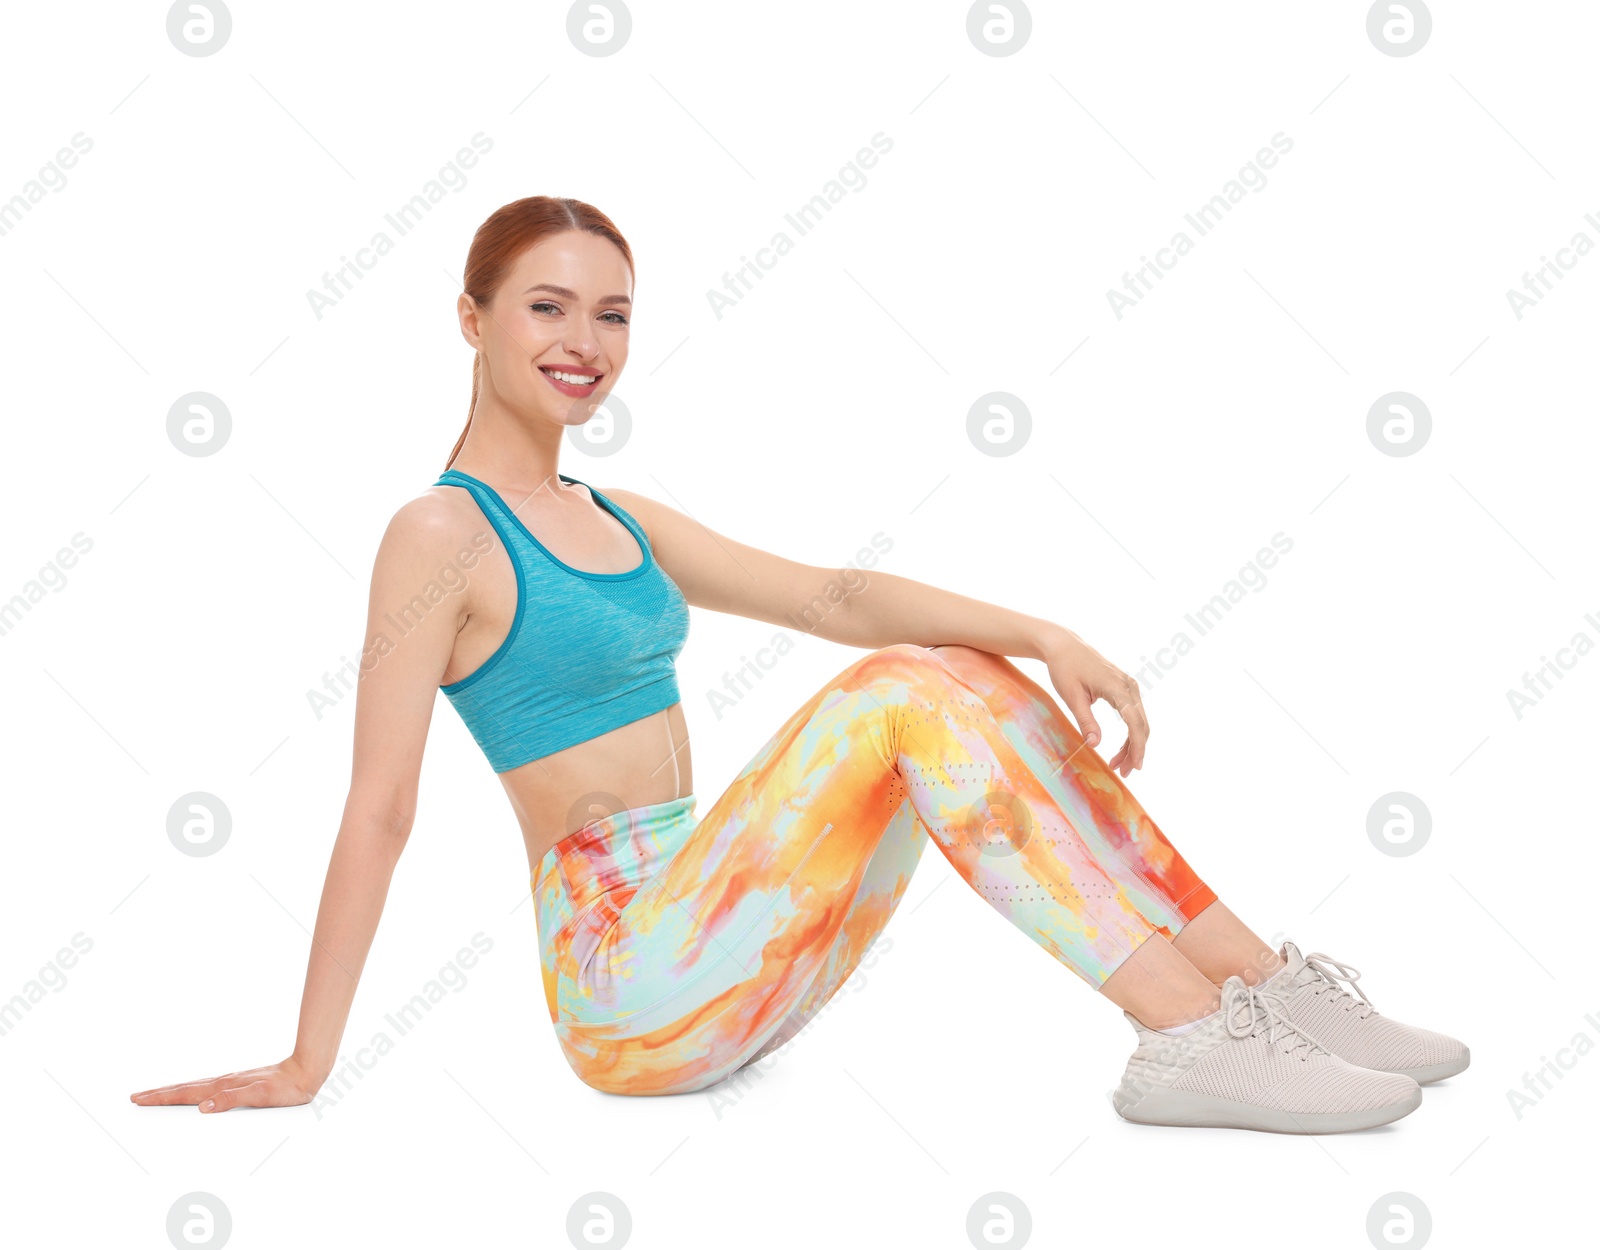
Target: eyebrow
{"x": 569, "y": 294}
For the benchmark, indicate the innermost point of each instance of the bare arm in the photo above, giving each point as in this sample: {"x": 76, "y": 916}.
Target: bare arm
{"x": 866, "y": 607}
{"x": 395, "y": 695}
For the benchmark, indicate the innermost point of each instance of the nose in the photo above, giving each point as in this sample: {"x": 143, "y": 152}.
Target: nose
{"x": 581, "y": 343}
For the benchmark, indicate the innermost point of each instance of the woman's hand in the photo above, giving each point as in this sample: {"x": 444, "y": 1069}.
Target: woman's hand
{"x": 285, "y": 1084}
{"x": 1081, "y": 675}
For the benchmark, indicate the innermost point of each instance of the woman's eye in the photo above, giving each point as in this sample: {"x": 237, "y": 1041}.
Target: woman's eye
{"x": 554, "y": 310}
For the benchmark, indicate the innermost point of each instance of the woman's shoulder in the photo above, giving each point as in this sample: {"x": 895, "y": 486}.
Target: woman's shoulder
{"x": 640, "y": 506}
{"x": 437, "y": 506}
{"x": 432, "y": 525}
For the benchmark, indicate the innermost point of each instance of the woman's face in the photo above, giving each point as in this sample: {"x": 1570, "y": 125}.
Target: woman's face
{"x": 555, "y": 336}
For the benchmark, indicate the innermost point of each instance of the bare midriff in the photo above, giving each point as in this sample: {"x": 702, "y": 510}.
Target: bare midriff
{"x": 634, "y": 765}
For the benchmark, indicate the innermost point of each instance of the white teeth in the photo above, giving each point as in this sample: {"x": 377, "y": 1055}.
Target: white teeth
{"x": 572, "y": 379}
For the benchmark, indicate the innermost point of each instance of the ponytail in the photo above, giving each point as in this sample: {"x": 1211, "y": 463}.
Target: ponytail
{"x": 477, "y": 363}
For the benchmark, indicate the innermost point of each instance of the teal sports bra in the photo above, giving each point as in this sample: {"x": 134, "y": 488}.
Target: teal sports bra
{"x": 586, "y": 652}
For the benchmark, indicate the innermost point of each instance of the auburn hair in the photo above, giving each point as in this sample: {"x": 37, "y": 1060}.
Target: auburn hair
{"x": 508, "y": 232}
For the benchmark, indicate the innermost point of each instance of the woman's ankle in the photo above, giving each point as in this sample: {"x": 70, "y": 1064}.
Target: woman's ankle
{"x": 1260, "y": 969}
{"x": 1161, "y": 989}
{"x": 1190, "y": 1021}
{"x": 1221, "y": 945}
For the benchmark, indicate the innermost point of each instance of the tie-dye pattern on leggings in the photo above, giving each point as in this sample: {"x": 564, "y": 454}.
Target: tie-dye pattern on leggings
{"x": 676, "y": 950}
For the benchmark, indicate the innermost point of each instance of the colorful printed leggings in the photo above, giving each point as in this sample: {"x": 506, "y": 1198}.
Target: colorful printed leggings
{"x": 675, "y": 951}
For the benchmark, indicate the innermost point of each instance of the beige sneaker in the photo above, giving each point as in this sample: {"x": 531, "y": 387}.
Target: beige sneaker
{"x": 1350, "y": 1026}
{"x": 1248, "y": 1066}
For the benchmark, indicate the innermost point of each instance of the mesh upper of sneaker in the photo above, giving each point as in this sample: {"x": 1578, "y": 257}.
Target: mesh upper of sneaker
{"x": 1262, "y": 1075}
{"x": 1251, "y": 1052}
{"x": 1348, "y": 1024}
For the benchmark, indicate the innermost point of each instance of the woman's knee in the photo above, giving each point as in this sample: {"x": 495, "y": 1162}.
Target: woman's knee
{"x": 899, "y": 662}
{"x": 948, "y": 664}
{"x": 933, "y": 673}
{"x": 954, "y": 655}
{"x": 896, "y": 653}
{"x": 964, "y": 659}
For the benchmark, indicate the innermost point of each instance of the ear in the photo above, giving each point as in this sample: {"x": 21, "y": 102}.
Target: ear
{"x": 467, "y": 312}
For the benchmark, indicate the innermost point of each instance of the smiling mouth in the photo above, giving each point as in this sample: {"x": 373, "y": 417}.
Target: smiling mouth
{"x": 570, "y": 377}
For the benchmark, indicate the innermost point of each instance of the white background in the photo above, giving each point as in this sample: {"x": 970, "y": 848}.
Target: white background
{"x": 827, "y": 405}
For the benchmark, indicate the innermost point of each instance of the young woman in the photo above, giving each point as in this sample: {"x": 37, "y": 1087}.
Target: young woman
{"x": 677, "y": 948}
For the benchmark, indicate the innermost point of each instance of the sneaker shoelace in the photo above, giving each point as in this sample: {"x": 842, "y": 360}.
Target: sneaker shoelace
{"x": 1249, "y": 1012}
{"x": 1330, "y": 972}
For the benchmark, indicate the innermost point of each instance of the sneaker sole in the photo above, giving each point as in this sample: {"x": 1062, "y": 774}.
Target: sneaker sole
{"x": 1184, "y": 1109}
{"x": 1437, "y": 1071}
